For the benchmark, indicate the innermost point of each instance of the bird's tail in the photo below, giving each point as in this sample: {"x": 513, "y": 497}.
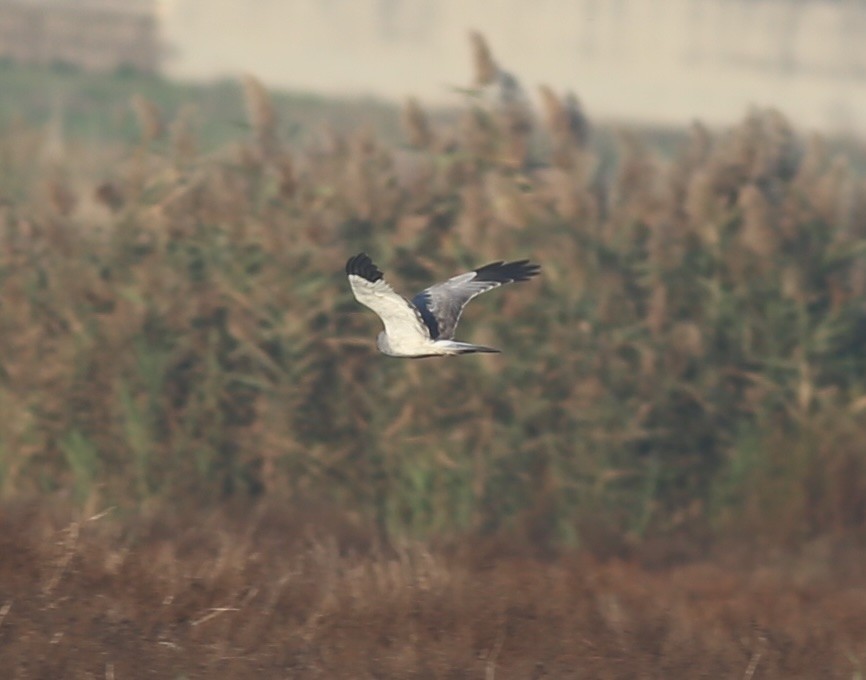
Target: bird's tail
{"x": 454, "y": 347}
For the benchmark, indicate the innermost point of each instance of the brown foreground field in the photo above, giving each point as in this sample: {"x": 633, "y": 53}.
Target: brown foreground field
{"x": 259, "y": 592}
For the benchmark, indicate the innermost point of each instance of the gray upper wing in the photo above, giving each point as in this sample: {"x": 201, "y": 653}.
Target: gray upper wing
{"x": 440, "y": 305}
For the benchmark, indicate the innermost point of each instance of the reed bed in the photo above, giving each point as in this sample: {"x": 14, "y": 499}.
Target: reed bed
{"x": 180, "y": 330}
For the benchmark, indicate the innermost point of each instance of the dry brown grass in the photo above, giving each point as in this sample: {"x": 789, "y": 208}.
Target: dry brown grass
{"x": 269, "y": 592}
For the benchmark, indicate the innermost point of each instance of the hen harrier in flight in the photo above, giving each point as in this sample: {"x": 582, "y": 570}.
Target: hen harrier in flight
{"x": 425, "y": 326}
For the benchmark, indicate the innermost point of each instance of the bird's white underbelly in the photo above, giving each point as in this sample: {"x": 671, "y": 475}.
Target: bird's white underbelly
{"x": 408, "y": 346}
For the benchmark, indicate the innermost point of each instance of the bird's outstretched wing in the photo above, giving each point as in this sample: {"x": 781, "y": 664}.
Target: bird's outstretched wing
{"x": 400, "y": 318}
{"x": 440, "y": 305}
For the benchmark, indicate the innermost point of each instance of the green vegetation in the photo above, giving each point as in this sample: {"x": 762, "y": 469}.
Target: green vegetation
{"x": 691, "y": 357}
{"x": 94, "y": 108}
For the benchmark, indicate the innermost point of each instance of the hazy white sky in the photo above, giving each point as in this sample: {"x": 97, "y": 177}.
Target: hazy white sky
{"x": 650, "y": 60}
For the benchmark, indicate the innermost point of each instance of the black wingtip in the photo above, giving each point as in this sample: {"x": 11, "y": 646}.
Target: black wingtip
{"x": 506, "y": 272}
{"x": 361, "y": 265}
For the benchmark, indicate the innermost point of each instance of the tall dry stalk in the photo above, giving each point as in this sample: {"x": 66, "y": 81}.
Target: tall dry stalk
{"x": 149, "y": 118}
{"x": 567, "y": 125}
{"x": 262, "y": 116}
{"x": 417, "y": 125}
{"x": 484, "y": 66}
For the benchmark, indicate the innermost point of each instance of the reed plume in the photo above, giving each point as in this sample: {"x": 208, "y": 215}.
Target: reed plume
{"x": 416, "y": 125}
{"x": 149, "y": 118}
{"x": 485, "y": 68}
{"x": 183, "y": 141}
{"x": 757, "y": 233}
{"x": 262, "y": 116}
{"x": 567, "y": 124}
